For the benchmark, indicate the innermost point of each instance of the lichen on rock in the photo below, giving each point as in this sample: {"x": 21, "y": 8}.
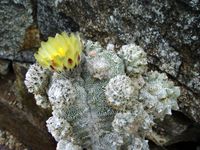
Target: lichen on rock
{"x": 10, "y": 141}
{"x": 15, "y": 15}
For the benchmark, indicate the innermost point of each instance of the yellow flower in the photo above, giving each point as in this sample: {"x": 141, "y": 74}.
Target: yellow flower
{"x": 62, "y": 51}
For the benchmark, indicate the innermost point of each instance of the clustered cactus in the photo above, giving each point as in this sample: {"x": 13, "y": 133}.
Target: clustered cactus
{"x": 110, "y": 103}
{"x": 37, "y": 80}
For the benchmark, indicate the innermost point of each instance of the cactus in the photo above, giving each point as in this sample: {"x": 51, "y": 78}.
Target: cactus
{"x": 107, "y": 102}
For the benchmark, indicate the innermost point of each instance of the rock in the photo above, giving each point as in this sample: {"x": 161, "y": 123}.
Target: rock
{"x": 174, "y": 129}
{"x": 169, "y": 131}
{"x": 22, "y": 56}
{"x": 16, "y": 16}
{"x": 10, "y": 141}
{"x": 189, "y": 104}
{"x": 20, "y": 91}
{"x": 32, "y": 38}
{"x": 51, "y": 21}
{"x": 2, "y": 147}
{"x": 27, "y": 124}
{"x": 194, "y": 4}
{"x": 190, "y": 75}
{"x": 167, "y": 31}
{"x": 4, "y": 66}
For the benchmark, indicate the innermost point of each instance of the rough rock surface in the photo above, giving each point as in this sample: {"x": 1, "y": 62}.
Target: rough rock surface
{"x": 164, "y": 29}
{"x": 16, "y": 17}
{"x": 167, "y": 30}
{"x": 51, "y": 21}
{"x": 10, "y": 141}
{"x": 19, "y": 114}
{"x": 4, "y": 66}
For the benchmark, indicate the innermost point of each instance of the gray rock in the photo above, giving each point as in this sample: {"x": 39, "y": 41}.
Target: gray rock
{"x": 189, "y": 104}
{"x": 194, "y": 4}
{"x": 21, "y": 56}
{"x": 4, "y": 66}
{"x": 170, "y": 130}
{"x": 15, "y": 16}
{"x": 9, "y": 141}
{"x": 52, "y": 21}
{"x": 167, "y": 30}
